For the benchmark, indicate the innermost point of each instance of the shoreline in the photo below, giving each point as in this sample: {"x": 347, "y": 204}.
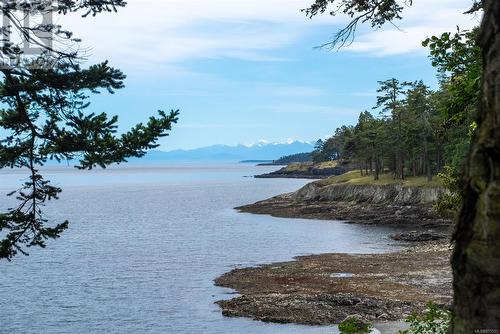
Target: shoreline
{"x": 406, "y": 207}
{"x": 416, "y": 222}
{"x": 324, "y": 289}
{"x": 305, "y": 171}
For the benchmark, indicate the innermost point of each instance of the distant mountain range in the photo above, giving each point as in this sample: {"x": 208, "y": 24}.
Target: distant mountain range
{"x": 223, "y": 153}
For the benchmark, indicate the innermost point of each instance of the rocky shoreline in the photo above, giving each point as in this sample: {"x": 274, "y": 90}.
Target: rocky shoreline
{"x": 405, "y": 207}
{"x": 310, "y": 172}
{"x": 325, "y": 289}
{"x": 417, "y": 215}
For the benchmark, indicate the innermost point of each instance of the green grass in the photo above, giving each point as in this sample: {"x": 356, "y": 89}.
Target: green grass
{"x": 326, "y": 164}
{"x": 304, "y": 166}
{"x": 299, "y": 166}
{"x": 355, "y": 178}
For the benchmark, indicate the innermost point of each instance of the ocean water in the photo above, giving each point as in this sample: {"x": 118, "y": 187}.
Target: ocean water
{"x": 145, "y": 244}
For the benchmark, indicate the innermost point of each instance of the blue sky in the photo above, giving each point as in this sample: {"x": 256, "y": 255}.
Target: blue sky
{"x": 241, "y": 71}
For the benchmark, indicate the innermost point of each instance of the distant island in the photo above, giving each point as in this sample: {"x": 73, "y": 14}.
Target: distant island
{"x": 261, "y": 162}
{"x": 290, "y": 159}
{"x": 261, "y": 152}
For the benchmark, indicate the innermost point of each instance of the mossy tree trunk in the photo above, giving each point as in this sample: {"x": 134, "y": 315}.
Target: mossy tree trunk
{"x": 476, "y": 258}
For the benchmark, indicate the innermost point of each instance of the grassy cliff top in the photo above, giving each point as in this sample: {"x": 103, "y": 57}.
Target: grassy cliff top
{"x": 304, "y": 166}
{"x": 355, "y": 178}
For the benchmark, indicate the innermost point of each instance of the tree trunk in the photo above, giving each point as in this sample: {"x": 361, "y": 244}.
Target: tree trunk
{"x": 438, "y": 156}
{"x": 400, "y": 151}
{"x": 427, "y": 160}
{"x": 476, "y": 258}
{"x": 402, "y": 170}
{"x": 375, "y": 159}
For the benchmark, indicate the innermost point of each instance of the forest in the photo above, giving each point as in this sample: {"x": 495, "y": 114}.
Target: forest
{"x": 293, "y": 158}
{"x": 413, "y": 130}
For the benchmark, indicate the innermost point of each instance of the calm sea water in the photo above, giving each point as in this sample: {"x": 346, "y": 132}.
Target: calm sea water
{"x": 145, "y": 244}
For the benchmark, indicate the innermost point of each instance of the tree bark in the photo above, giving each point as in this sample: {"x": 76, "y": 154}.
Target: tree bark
{"x": 476, "y": 257}
{"x": 427, "y": 160}
{"x": 399, "y": 154}
{"x": 375, "y": 158}
{"x": 438, "y": 156}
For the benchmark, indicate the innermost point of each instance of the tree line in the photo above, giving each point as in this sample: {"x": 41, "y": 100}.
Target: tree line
{"x": 411, "y": 129}
{"x": 468, "y": 64}
{"x": 293, "y": 158}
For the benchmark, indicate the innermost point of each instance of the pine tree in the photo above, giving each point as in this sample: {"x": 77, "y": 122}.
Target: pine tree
{"x": 390, "y": 103}
{"x": 43, "y": 117}
{"x": 475, "y": 259}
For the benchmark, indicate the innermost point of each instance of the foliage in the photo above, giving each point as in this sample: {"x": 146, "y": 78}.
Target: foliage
{"x": 418, "y": 131}
{"x": 457, "y": 58}
{"x": 298, "y": 157}
{"x": 404, "y": 139}
{"x": 334, "y": 148}
{"x": 476, "y": 236}
{"x": 42, "y": 118}
{"x": 355, "y": 325}
{"x": 374, "y": 11}
{"x": 434, "y": 320}
{"x": 448, "y": 204}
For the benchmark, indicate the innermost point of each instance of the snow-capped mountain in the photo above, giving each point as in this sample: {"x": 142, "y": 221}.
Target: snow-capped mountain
{"x": 262, "y": 150}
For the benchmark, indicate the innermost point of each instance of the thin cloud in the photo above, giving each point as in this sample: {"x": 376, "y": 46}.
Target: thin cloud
{"x": 424, "y": 19}
{"x": 149, "y": 33}
{"x": 152, "y": 31}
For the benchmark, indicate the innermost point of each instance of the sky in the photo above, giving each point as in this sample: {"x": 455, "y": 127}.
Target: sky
{"x": 243, "y": 71}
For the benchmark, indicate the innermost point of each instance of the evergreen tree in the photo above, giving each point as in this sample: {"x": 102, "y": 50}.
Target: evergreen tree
{"x": 476, "y": 252}
{"x": 390, "y": 103}
{"x": 43, "y": 118}
{"x": 419, "y": 128}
